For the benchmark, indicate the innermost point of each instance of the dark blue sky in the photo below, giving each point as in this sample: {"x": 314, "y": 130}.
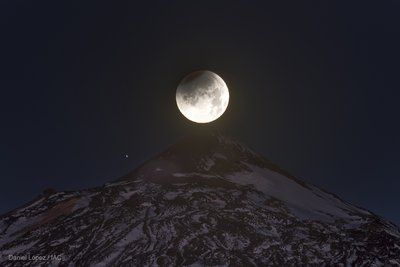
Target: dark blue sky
{"x": 314, "y": 88}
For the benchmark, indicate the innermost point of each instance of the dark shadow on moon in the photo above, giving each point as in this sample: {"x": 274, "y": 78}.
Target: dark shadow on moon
{"x": 197, "y": 85}
{"x": 192, "y": 77}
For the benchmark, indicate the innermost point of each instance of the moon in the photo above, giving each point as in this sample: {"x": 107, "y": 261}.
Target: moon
{"x": 202, "y": 96}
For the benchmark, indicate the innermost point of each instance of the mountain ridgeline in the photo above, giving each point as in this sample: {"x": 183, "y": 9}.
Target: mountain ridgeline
{"x": 206, "y": 201}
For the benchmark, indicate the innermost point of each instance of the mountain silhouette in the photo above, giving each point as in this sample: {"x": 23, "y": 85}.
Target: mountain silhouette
{"x": 205, "y": 201}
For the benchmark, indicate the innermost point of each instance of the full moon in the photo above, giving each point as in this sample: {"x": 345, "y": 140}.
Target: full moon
{"x": 202, "y": 96}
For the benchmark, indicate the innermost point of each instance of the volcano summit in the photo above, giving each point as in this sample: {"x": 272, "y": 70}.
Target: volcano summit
{"x": 206, "y": 201}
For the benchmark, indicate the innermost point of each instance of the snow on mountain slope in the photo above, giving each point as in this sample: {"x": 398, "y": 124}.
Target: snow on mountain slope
{"x": 305, "y": 202}
{"x": 207, "y": 201}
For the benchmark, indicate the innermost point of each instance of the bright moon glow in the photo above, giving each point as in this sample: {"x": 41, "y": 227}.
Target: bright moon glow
{"x": 202, "y": 96}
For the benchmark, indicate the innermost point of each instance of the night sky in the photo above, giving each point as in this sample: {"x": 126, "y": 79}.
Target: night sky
{"x": 314, "y": 87}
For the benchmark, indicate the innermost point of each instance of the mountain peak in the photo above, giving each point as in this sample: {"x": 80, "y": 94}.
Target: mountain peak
{"x": 207, "y": 200}
{"x": 220, "y": 161}
{"x": 207, "y": 153}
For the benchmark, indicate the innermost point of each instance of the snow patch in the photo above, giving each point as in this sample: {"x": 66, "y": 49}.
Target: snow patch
{"x": 219, "y": 156}
{"x": 303, "y": 202}
{"x": 170, "y": 195}
{"x": 191, "y": 174}
{"x": 128, "y": 194}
